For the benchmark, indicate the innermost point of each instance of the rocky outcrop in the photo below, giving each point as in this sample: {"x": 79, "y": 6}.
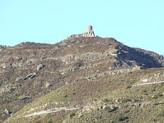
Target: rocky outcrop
{"x": 142, "y": 58}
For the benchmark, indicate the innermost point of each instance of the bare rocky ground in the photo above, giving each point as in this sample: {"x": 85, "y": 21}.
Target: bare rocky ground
{"x": 29, "y": 71}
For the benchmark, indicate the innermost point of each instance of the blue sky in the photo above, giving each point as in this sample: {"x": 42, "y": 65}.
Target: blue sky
{"x": 136, "y": 23}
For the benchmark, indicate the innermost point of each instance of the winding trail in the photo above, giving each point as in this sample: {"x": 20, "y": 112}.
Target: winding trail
{"x": 50, "y": 111}
{"x": 149, "y": 83}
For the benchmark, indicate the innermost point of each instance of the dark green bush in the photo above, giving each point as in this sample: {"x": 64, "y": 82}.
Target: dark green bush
{"x": 106, "y": 100}
{"x": 108, "y": 109}
{"x": 121, "y": 118}
{"x": 38, "y": 122}
{"x": 162, "y": 113}
{"x": 125, "y": 100}
{"x": 49, "y": 121}
{"x": 128, "y": 87}
{"x": 72, "y": 115}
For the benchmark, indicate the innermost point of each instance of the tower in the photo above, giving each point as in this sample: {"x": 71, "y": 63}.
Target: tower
{"x": 89, "y": 32}
{"x": 89, "y": 29}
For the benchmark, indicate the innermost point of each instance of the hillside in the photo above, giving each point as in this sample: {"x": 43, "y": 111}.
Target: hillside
{"x": 83, "y": 79}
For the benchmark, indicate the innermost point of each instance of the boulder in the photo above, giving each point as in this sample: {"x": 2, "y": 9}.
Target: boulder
{"x": 80, "y": 115}
{"x": 18, "y": 79}
{"x": 8, "y": 112}
{"x": 30, "y": 76}
{"x": 48, "y": 85}
{"x": 39, "y": 67}
{"x": 24, "y": 98}
{"x": 19, "y": 58}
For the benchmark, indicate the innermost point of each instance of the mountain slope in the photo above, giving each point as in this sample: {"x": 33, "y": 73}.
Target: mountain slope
{"x": 75, "y": 72}
{"x": 109, "y": 99}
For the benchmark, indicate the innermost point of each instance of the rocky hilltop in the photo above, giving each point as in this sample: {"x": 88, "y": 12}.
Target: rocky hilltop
{"x": 28, "y": 71}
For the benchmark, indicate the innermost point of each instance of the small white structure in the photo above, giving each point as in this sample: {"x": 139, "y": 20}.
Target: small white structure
{"x": 88, "y": 33}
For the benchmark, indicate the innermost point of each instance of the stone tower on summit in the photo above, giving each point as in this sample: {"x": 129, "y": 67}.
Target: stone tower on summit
{"x": 88, "y": 33}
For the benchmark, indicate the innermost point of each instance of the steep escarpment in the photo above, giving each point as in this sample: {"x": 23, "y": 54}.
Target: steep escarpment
{"x": 73, "y": 70}
{"x": 140, "y": 57}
